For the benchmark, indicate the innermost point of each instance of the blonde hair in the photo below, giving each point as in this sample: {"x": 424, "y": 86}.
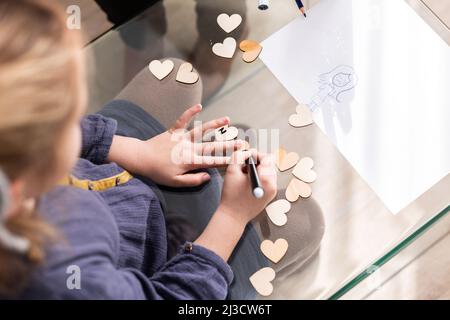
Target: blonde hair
{"x": 39, "y": 92}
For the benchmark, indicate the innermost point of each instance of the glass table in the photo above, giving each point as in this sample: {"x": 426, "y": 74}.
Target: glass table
{"x": 361, "y": 236}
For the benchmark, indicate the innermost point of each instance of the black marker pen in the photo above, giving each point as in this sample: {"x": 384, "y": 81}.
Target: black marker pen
{"x": 257, "y": 189}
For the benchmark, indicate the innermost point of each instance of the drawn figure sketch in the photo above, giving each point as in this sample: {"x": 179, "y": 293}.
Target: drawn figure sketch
{"x": 334, "y": 91}
{"x": 333, "y": 85}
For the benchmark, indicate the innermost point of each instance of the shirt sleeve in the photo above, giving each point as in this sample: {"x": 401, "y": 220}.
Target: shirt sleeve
{"x": 198, "y": 275}
{"x": 97, "y": 135}
{"x": 180, "y": 278}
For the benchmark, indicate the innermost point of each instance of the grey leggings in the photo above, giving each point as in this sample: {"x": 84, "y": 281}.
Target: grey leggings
{"x": 144, "y": 109}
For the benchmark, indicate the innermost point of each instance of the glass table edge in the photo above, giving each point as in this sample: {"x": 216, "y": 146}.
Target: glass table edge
{"x": 367, "y": 272}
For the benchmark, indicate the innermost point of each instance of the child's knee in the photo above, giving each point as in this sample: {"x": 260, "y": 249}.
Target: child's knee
{"x": 198, "y": 86}
{"x": 146, "y": 78}
{"x": 171, "y": 78}
{"x": 303, "y": 231}
{"x": 164, "y": 99}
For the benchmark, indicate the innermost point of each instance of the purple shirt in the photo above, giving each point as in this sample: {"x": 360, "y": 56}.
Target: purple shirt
{"x": 117, "y": 238}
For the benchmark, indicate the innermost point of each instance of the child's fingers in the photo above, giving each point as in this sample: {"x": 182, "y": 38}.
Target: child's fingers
{"x": 184, "y": 120}
{"x": 201, "y": 162}
{"x": 266, "y": 159}
{"x": 220, "y": 147}
{"x": 238, "y": 159}
{"x": 198, "y": 132}
{"x": 191, "y": 179}
{"x": 266, "y": 164}
{"x": 267, "y": 173}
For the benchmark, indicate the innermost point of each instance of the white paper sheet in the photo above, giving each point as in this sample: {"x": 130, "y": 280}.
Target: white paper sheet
{"x": 378, "y": 79}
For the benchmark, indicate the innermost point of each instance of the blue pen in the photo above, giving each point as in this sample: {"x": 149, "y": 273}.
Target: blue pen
{"x": 301, "y": 7}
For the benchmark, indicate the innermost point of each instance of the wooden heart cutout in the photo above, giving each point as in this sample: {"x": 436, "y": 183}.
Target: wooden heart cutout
{"x": 285, "y": 161}
{"x": 276, "y": 211}
{"x": 226, "y": 133}
{"x": 302, "y": 118}
{"x": 251, "y": 49}
{"x": 225, "y": 49}
{"x": 249, "y": 45}
{"x": 186, "y": 74}
{"x": 161, "y": 69}
{"x": 229, "y": 23}
{"x": 251, "y": 56}
{"x": 274, "y": 251}
{"x": 296, "y": 189}
{"x": 303, "y": 170}
{"x": 261, "y": 281}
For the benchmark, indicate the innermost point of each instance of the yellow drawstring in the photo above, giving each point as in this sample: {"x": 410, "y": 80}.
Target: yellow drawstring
{"x": 98, "y": 185}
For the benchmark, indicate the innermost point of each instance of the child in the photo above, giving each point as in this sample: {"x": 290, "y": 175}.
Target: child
{"x": 102, "y": 220}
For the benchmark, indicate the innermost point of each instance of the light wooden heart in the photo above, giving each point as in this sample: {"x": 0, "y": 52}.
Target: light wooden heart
{"x": 276, "y": 211}
{"x": 161, "y": 69}
{"x": 251, "y": 49}
{"x": 225, "y": 49}
{"x": 274, "y": 251}
{"x": 229, "y": 23}
{"x": 261, "y": 281}
{"x": 302, "y": 118}
{"x": 251, "y": 56}
{"x": 296, "y": 189}
{"x": 303, "y": 170}
{"x": 285, "y": 161}
{"x": 226, "y": 133}
{"x": 186, "y": 74}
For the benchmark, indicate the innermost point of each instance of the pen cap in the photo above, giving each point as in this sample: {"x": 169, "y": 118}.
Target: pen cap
{"x": 263, "y": 4}
{"x": 258, "y": 192}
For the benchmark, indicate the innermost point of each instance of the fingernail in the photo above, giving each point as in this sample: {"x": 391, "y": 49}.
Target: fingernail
{"x": 205, "y": 177}
{"x": 199, "y": 106}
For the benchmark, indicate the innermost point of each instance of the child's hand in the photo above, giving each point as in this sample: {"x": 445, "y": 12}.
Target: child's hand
{"x": 169, "y": 158}
{"x": 238, "y": 205}
{"x": 237, "y": 196}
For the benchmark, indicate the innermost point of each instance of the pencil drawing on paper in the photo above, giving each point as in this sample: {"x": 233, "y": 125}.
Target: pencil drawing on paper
{"x": 333, "y": 84}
